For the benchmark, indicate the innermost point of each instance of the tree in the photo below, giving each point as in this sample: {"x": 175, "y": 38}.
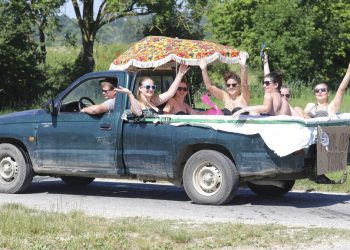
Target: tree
{"x": 111, "y": 10}
{"x": 21, "y": 75}
{"x": 45, "y": 13}
{"x": 330, "y": 49}
{"x": 179, "y": 18}
{"x": 290, "y": 33}
{"x": 308, "y": 39}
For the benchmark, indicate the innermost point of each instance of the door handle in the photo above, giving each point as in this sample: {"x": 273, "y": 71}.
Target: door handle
{"x": 106, "y": 126}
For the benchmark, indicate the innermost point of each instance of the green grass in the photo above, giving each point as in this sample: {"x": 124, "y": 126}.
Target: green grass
{"x": 305, "y": 184}
{"x": 24, "y": 228}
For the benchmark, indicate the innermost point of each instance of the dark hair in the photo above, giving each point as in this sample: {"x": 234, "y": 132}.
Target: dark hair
{"x": 231, "y": 75}
{"x": 184, "y": 80}
{"x": 276, "y": 77}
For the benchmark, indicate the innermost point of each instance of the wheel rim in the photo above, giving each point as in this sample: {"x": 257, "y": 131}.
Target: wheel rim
{"x": 8, "y": 169}
{"x": 207, "y": 179}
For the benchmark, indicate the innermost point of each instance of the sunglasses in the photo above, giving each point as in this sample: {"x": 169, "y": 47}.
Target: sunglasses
{"x": 233, "y": 85}
{"x": 105, "y": 91}
{"x": 286, "y": 95}
{"x": 182, "y": 89}
{"x": 148, "y": 87}
{"x": 320, "y": 90}
{"x": 267, "y": 83}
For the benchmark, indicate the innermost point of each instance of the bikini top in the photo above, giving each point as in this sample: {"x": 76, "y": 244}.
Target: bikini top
{"x": 228, "y": 112}
{"x": 318, "y": 113}
{"x": 181, "y": 113}
{"x": 151, "y": 112}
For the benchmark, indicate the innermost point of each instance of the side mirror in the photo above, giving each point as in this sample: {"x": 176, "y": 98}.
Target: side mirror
{"x": 51, "y": 108}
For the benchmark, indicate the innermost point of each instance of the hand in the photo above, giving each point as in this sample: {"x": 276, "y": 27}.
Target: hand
{"x": 243, "y": 56}
{"x": 203, "y": 64}
{"x": 123, "y": 90}
{"x": 183, "y": 69}
{"x": 266, "y": 57}
{"x": 238, "y": 113}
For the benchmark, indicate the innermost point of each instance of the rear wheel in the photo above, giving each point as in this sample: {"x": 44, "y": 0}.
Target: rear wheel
{"x": 210, "y": 177}
{"x": 16, "y": 174}
{"x": 272, "y": 190}
{"x": 77, "y": 181}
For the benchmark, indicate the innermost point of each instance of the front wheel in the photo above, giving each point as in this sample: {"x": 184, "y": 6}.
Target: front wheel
{"x": 16, "y": 173}
{"x": 282, "y": 188}
{"x": 210, "y": 177}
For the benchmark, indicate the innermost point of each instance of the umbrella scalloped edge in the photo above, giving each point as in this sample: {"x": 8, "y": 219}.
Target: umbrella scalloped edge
{"x": 172, "y": 57}
{"x": 160, "y": 51}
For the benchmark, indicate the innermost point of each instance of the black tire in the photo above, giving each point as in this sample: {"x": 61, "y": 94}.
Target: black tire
{"x": 16, "y": 174}
{"x": 210, "y": 178}
{"x": 271, "y": 190}
{"x": 76, "y": 181}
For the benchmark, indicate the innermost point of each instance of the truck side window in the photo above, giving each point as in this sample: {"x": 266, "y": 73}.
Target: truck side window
{"x": 90, "y": 89}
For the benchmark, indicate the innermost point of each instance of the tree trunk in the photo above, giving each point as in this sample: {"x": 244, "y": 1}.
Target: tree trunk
{"x": 42, "y": 40}
{"x": 88, "y": 53}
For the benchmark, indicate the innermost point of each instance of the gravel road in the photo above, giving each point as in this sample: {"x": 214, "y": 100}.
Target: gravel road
{"x": 121, "y": 198}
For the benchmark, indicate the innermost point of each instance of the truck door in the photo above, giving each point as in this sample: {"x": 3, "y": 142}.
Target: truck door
{"x": 148, "y": 148}
{"x": 76, "y": 141}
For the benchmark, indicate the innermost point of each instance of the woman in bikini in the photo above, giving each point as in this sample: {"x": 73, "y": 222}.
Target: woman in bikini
{"x": 273, "y": 103}
{"x": 322, "y": 107}
{"x": 147, "y": 103}
{"x": 237, "y": 93}
{"x": 177, "y": 104}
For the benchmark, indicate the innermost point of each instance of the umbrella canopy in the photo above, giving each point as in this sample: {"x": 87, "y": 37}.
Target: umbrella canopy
{"x": 156, "y": 51}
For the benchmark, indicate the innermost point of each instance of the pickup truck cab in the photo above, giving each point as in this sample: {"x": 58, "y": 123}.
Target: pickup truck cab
{"x": 58, "y": 140}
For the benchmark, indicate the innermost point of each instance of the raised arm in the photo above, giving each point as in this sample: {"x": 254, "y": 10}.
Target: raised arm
{"x": 243, "y": 56}
{"x": 160, "y": 99}
{"x": 134, "y": 104}
{"x": 215, "y": 91}
{"x": 264, "y": 108}
{"x": 266, "y": 63}
{"x": 336, "y": 102}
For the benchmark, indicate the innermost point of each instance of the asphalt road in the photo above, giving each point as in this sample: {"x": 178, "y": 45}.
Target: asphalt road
{"x": 121, "y": 198}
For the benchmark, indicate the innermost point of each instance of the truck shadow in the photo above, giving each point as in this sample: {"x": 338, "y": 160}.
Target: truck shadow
{"x": 294, "y": 199}
{"x": 122, "y": 189}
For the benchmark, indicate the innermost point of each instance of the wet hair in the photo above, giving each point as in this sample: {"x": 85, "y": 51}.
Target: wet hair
{"x": 184, "y": 80}
{"x": 276, "y": 77}
{"x": 231, "y": 75}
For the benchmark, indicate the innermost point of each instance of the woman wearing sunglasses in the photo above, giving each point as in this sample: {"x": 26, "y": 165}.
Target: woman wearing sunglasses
{"x": 147, "y": 101}
{"x": 273, "y": 103}
{"x": 322, "y": 107}
{"x": 284, "y": 91}
{"x": 177, "y": 104}
{"x": 236, "y": 94}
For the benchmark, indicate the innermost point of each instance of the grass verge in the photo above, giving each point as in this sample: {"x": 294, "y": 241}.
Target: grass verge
{"x": 24, "y": 228}
{"x": 307, "y": 185}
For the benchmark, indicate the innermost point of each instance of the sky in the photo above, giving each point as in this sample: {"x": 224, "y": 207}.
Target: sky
{"x": 68, "y": 8}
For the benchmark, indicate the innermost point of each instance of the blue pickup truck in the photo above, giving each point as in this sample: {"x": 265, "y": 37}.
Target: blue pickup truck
{"x": 58, "y": 140}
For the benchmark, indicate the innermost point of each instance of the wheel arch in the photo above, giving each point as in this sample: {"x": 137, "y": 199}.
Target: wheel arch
{"x": 188, "y": 150}
{"x": 21, "y": 146}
